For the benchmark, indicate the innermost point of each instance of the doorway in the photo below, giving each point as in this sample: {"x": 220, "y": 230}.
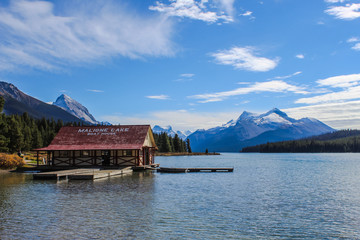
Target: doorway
{"x": 105, "y": 155}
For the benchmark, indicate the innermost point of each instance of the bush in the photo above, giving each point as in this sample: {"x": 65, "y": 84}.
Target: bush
{"x": 9, "y": 161}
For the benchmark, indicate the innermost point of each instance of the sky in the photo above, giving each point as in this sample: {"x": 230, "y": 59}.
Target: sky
{"x": 191, "y": 64}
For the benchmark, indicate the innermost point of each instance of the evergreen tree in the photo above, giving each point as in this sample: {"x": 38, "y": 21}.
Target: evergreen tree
{"x": 176, "y": 143}
{"x": 15, "y": 136}
{"x": 188, "y": 147}
{"x": 165, "y": 144}
{"x": 2, "y": 103}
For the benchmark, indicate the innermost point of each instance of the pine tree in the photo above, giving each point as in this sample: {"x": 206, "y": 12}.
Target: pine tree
{"x": 165, "y": 144}
{"x": 2, "y": 103}
{"x": 188, "y": 147}
{"x": 176, "y": 143}
{"x": 15, "y": 136}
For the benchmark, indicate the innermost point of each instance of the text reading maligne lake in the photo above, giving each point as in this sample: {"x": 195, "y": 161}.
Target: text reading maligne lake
{"x": 269, "y": 196}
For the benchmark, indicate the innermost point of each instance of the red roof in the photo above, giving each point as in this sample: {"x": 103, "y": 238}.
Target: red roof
{"x": 100, "y": 138}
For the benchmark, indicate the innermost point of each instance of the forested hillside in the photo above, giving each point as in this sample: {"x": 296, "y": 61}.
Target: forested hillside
{"x": 166, "y": 143}
{"x": 23, "y": 133}
{"x": 340, "y": 141}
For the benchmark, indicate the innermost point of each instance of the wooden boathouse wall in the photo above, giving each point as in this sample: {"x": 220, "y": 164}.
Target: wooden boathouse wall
{"x": 79, "y": 146}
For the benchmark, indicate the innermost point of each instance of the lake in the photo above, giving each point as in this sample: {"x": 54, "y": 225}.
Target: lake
{"x": 268, "y": 196}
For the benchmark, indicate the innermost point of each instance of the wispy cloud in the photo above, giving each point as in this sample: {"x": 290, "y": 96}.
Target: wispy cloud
{"x": 270, "y": 86}
{"x": 349, "y": 85}
{"x": 337, "y": 115}
{"x": 348, "y": 94}
{"x": 334, "y": 1}
{"x": 187, "y": 75}
{"x": 353, "y": 39}
{"x": 287, "y": 76}
{"x": 33, "y": 35}
{"x": 342, "y": 81}
{"x": 245, "y": 58}
{"x": 300, "y": 56}
{"x": 347, "y": 12}
{"x": 95, "y": 90}
{"x": 197, "y": 10}
{"x": 159, "y": 97}
{"x": 178, "y": 119}
{"x": 356, "y": 42}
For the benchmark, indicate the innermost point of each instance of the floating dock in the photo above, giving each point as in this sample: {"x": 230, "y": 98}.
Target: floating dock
{"x": 184, "y": 170}
{"x": 146, "y": 167}
{"x": 81, "y": 174}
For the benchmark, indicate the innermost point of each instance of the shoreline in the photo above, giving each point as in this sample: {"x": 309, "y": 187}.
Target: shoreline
{"x": 4, "y": 171}
{"x": 185, "y": 154}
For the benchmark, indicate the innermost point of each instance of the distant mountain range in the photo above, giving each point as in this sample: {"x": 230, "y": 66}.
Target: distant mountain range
{"x": 248, "y": 130}
{"x": 183, "y": 135}
{"x": 253, "y": 129}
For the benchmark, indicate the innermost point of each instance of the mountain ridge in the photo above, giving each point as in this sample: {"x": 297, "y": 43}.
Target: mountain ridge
{"x": 17, "y": 102}
{"x": 75, "y": 108}
{"x": 252, "y": 129}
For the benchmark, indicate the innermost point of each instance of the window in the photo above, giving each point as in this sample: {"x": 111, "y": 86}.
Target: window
{"x": 85, "y": 153}
{"x": 64, "y": 154}
{"x": 127, "y": 153}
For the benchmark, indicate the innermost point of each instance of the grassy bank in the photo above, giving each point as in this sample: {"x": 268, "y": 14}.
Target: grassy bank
{"x": 184, "y": 154}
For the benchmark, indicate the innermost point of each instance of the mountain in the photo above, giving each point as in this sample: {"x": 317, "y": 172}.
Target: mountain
{"x": 182, "y": 135}
{"x": 17, "y": 102}
{"x": 75, "y": 108}
{"x": 253, "y": 129}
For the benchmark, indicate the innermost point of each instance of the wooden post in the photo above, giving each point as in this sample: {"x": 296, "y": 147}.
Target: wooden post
{"x": 37, "y": 158}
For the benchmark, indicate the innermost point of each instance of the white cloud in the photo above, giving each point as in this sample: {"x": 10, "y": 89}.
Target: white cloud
{"x": 342, "y": 81}
{"x": 227, "y": 6}
{"x": 195, "y": 10}
{"x": 356, "y": 41}
{"x": 349, "y": 94}
{"x": 287, "y": 76}
{"x": 270, "y": 86}
{"x": 187, "y": 75}
{"x": 353, "y": 39}
{"x": 347, "y": 12}
{"x": 300, "y": 56}
{"x": 337, "y": 115}
{"x": 178, "y": 119}
{"x": 245, "y": 58}
{"x": 350, "y": 85}
{"x": 95, "y": 90}
{"x": 356, "y": 47}
{"x": 33, "y": 35}
{"x": 334, "y": 1}
{"x": 159, "y": 97}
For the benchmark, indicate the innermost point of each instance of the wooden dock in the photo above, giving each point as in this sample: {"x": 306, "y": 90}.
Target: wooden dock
{"x": 184, "y": 170}
{"x": 81, "y": 174}
{"x": 146, "y": 167}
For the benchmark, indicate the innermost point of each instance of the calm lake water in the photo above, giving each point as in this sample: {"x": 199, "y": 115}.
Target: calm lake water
{"x": 268, "y": 196}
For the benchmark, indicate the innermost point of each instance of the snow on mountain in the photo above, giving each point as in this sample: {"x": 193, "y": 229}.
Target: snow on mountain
{"x": 168, "y": 129}
{"x": 251, "y": 129}
{"x": 17, "y": 102}
{"x": 75, "y": 108}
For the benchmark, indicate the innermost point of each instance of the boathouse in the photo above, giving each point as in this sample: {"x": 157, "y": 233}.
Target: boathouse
{"x": 120, "y": 145}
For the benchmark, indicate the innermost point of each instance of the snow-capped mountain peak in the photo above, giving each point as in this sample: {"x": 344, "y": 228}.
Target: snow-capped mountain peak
{"x": 169, "y": 130}
{"x": 253, "y": 129}
{"x": 75, "y": 108}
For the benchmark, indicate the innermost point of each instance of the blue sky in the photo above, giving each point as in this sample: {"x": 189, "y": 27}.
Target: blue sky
{"x": 186, "y": 63}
